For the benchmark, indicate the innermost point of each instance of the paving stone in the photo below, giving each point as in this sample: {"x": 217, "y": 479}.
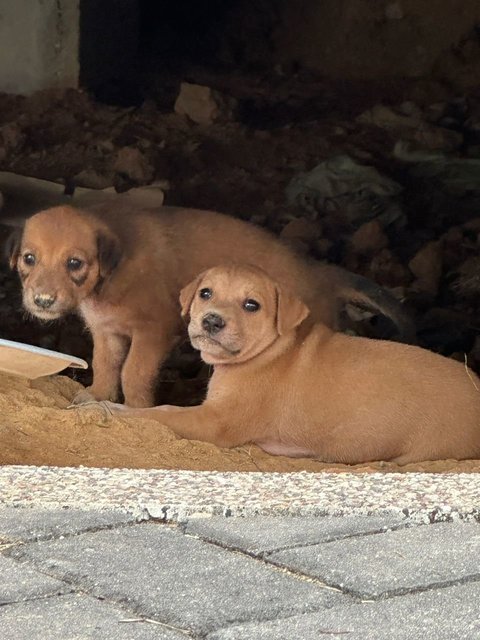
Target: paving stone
{"x": 392, "y": 562}
{"x": 175, "y": 578}
{"x": 263, "y": 534}
{"x": 36, "y": 524}
{"x": 77, "y": 617}
{"x": 442, "y": 614}
{"x": 20, "y": 582}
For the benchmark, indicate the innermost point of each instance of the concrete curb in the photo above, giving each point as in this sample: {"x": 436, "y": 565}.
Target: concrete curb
{"x": 176, "y": 495}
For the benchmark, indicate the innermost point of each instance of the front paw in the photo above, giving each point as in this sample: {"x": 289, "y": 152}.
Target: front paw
{"x": 112, "y": 407}
{"x": 84, "y": 397}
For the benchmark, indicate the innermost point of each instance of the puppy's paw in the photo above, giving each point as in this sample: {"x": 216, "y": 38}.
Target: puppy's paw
{"x": 113, "y": 407}
{"x": 83, "y": 397}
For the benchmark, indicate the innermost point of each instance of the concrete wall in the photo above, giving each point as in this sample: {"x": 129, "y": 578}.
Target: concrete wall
{"x": 372, "y": 38}
{"x": 39, "y": 41}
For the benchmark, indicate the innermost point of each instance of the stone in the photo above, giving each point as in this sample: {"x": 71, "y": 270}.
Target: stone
{"x": 132, "y": 163}
{"x": 262, "y": 535}
{"x": 175, "y": 578}
{"x": 443, "y": 614}
{"x": 386, "y": 564}
{"x": 202, "y": 104}
{"x": 21, "y": 582}
{"x": 369, "y": 238}
{"x": 412, "y": 128}
{"x": 426, "y": 266}
{"x": 93, "y": 179}
{"x": 79, "y": 617}
{"x": 12, "y": 137}
{"x": 301, "y": 230}
{"x": 387, "y": 270}
{"x": 28, "y": 524}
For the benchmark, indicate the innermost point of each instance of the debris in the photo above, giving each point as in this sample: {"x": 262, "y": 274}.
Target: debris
{"x": 457, "y": 176}
{"x": 12, "y": 140}
{"x": 133, "y": 164}
{"x": 301, "y": 233}
{"x": 412, "y": 128}
{"x": 387, "y": 270}
{"x": 339, "y": 184}
{"x": 202, "y": 104}
{"x": 426, "y": 266}
{"x": 93, "y": 179}
{"x": 446, "y": 331}
{"x": 369, "y": 238}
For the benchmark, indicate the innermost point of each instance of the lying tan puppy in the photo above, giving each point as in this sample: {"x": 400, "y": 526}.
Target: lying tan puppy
{"x": 123, "y": 272}
{"x": 302, "y": 390}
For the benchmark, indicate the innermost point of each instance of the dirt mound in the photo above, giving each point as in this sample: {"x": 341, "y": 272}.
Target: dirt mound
{"x": 36, "y": 427}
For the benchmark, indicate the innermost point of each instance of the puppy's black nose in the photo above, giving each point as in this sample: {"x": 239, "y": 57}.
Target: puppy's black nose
{"x": 212, "y": 323}
{"x": 44, "y": 300}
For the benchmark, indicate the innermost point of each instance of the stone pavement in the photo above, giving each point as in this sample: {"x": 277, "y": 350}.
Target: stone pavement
{"x": 73, "y": 574}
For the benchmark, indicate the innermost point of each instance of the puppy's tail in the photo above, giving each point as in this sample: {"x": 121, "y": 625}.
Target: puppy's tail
{"x": 360, "y": 291}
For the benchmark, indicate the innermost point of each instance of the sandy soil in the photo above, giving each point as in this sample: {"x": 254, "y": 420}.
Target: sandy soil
{"x": 37, "y": 428}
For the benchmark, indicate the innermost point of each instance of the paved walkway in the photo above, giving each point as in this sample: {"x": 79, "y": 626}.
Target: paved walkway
{"x": 80, "y": 574}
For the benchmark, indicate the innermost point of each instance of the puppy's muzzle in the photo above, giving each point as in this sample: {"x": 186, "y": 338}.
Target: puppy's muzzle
{"x": 44, "y": 300}
{"x": 212, "y": 323}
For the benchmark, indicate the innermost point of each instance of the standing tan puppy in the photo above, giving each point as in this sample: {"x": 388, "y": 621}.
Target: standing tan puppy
{"x": 123, "y": 270}
{"x": 298, "y": 389}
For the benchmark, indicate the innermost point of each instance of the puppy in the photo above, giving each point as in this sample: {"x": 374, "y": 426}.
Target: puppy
{"x": 298, "y": 389}
{"x": 123, "y": 270}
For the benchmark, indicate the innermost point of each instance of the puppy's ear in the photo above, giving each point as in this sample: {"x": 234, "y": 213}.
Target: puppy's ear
{"x": 291, "y": 311}
{"x": 109, "y": 252}
{"x": 12, "y": 247}
{"x": 187, "y": 294}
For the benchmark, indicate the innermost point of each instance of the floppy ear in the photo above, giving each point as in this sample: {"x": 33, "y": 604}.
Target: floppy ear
{"x": 109, "y": 252}
{"x": 12, "y": 247}
{"x": 291, "y": 311}
{"x": 188, "y": 293}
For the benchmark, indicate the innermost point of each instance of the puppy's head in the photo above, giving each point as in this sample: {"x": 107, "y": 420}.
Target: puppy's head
{"x": 238, "y": 312}
{"x": 62, "y": 256}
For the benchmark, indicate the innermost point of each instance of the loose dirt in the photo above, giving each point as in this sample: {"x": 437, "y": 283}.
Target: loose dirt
{"x": 38, "y": 428}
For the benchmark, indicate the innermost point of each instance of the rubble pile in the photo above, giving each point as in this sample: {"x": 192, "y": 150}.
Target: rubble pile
{"x": 387, "y": 188}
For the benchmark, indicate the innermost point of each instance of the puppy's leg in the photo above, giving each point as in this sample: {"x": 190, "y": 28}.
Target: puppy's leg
{"x": 194, "y": 423}
{"x": 109, "y": 352}
{"x": 146, "y": 354}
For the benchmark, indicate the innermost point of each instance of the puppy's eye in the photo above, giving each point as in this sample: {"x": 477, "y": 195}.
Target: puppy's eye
{"x": 29, "y": 259}
{"x": 251, "y": 305}
{"x": 74, "y": 264}
{"x": 205, "y": 294}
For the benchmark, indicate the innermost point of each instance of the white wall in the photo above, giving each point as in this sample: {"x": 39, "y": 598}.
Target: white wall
{"x": 39, "y": 42}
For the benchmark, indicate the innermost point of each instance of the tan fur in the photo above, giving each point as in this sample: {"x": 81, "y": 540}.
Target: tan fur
{"x": 308, "y": 391}
{"x": 134, "y": 265}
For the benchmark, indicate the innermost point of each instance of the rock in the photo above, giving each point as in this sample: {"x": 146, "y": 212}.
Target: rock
{"x": 426, "y": 266}
{"x": 301, "y": 233}
{"x": 467, "y": 282}
{"x": 105, "y": 146}
{"x": 132, "y": 163}
{"x": 453, "y": 243}
{"x": 12, "y": 137}
{"x": 369, "y": 238}
{"x": 446, "y": 330}
{"x": 323, "y": 246}
{"x": 412, "y": 128}
{"x": 202, "y": 104}
{"x": 93, "y": 179}
{"x": 436, "y": 111}
{"x": 386, "y": 269}
{"x": 474, "y": 355}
